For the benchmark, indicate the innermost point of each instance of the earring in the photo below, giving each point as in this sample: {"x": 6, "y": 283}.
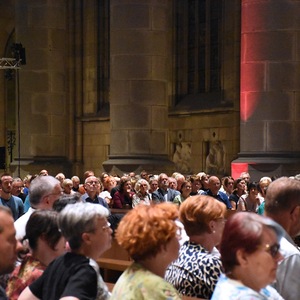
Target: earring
{"x": 214, "y": 231}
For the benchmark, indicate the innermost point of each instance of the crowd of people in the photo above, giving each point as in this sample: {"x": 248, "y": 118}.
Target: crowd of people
{"x": 197, "y": 236}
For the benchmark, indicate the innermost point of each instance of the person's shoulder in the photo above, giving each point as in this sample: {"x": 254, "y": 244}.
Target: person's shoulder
{"x": 223, "y": 195}
{"x": 174, "y": 192}
{"x": 17, "y": 199}
{"x": 155, "y": 287}
{"x": 288, "y": 248}
{"x": 156, "y": 193}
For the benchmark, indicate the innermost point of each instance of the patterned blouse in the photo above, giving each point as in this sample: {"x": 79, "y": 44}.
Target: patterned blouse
{"x": 234, "y": 290}
{"x": 196, "y": 272}
{"x": 137, "y": 283}
{"x": 23, "y": 275}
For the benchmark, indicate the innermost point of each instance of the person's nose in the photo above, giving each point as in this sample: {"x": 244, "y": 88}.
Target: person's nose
{"x": 279, "y": 257}
{"x": 19, "y": 246}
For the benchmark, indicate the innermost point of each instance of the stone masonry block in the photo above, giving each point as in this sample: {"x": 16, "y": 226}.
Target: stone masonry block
{"x": 159, "y": 117}
{"x": 270, "y": 15}
{"x": 39, "y": 124}
{"x": 130, "y": 16}
{"x": 161, "y": 18}
{"x": 295, "y": 138}
{"x": 253, "y": 136}
{"x": 284, "y": 76}
{"x": 37, "y": 64}
{"x": 56, "y": 61}
{"x": 271, "y": 46}
{"x": 139, "y": 142}
{"x": 42, "y": 145}
{"x": 57, "y": 103}
{"x": 40, "y": 103}
{"x": 120, "y": 141}
{"x": 57, "y": 39}
{"x": 253, "y": 77}
{"x": 58, "y": 124}
{"x": 132, "y": 116}
{"x": 297, "y": 103}
{"x": 148, "y": 92}
{"x": 37, "y": 39}
{"x": 270, "y": 106}
{"x": 161, "y": 68}
{"x": 297, "y": 58}
{"x": 34, "y": 81}
{"x": 58, "y": 82}
{"x": 279, "y": 136}
{"x": 158, "y": 142}
{"x": 52, "y": 17}
{"x": 120, "y": 91}
{"x": 131, "y": 67}
{"x": 138, "y": 42}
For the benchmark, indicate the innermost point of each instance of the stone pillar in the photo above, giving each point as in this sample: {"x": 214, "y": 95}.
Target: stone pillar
{"x": 140, "y": 85}
{"x": 41, "y": 28}
{"x": 270, "y": 88}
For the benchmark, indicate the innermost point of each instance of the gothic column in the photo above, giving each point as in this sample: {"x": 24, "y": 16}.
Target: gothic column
{"x": 270, "y": 88}
{"x": 140, "y": 84}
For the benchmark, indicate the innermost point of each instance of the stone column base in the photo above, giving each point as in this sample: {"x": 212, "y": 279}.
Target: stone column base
{"x": 272, "y": 165}
{"x": 125, "y": 164}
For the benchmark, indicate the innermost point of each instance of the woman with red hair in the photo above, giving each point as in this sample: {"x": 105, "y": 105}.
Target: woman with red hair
{"x": 250, "y": 256}
{"x": 150, "y": 235}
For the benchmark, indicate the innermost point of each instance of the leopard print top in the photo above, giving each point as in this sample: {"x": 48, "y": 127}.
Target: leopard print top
{"x": 196, "y": 272}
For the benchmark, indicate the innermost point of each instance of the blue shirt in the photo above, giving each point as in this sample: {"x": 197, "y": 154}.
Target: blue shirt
{"x": 221, "y": 197}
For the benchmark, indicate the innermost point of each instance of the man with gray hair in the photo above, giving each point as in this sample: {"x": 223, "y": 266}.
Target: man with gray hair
{"x": 75, "y": 275}
{"x": 282, "y": 204}
{"x": 164, "y": 193}
{"x": 43, "y": 192}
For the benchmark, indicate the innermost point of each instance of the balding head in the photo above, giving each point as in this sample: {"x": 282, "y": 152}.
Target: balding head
{"x": 214, "y": 184}
{"x": 282, "y": 203}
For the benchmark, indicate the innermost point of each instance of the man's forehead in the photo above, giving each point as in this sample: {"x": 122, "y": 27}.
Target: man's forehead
{"x": 92, "y": 178}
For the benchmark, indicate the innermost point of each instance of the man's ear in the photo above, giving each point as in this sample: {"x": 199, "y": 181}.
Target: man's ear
{"x": 86, "y": 238}
{"x": 295, "y": 215}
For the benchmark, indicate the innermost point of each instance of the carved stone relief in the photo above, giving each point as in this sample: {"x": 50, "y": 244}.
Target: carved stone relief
{"x": 215, "y": 159}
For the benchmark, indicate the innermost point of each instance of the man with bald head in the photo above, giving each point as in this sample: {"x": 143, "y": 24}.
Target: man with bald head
{"x": 282, "y": 204}
{"x": 214, "y": 185}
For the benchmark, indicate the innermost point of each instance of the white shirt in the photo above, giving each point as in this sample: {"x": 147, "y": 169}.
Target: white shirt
{"x": 20, "y": 224}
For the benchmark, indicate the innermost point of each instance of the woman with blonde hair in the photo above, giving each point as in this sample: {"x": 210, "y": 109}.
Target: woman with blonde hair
{"x": 195, "y": 273}
{"x": 150, "y": 235}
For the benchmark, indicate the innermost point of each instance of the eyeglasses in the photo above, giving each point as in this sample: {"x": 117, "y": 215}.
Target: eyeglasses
{"x": 273, "y": 250}
{"x": 106, "y": 227}
{"x": 93, "y": 182}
